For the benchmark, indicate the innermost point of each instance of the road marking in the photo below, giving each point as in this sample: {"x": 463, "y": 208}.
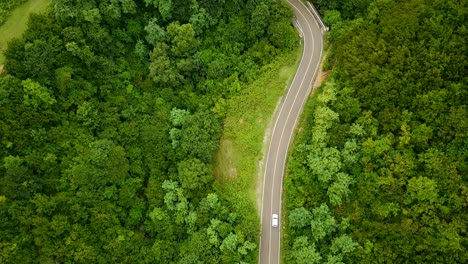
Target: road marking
{"x": 299, "y": 27}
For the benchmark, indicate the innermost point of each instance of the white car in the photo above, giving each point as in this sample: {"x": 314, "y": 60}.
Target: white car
{"x": 274, "y": 220}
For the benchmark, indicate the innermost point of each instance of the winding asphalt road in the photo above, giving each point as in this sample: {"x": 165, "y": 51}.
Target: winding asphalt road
{"x": 283, "y": 130}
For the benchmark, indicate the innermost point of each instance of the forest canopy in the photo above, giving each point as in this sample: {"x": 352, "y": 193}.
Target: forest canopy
{"x": 379, "y": 173}
{"x": 110, "y": 115}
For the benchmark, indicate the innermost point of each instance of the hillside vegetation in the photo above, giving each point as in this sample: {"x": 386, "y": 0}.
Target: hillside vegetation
{"x": 111, "y": 112}
{"x": 379, "y": 170}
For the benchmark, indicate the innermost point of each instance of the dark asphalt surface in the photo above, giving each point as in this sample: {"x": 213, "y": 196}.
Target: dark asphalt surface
{"x": 283, "y": 130}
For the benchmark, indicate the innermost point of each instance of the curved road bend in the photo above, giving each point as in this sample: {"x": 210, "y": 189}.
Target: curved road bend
{"x": 283, "y": 130}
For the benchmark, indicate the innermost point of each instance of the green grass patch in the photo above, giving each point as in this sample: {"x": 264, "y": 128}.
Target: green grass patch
{"x": 16, "y": 23}
{"x": 248, "y": 116}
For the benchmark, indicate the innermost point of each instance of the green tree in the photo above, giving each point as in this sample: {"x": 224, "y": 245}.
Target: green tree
{"x": 37, "y": 95}
{"x": 88, "y": 115}
{"x": 421, "y": 189}
{"x": 339, "y": 189}
{"x": 343, "y": 244}
{"x": 323, "y": 223}
{"x": 194, "y": 174}
{"x": 282, "y": 35}
{"x": 155, "y": 33}
{"x": 304, "y": 252}
{"x": 198, "y": 137}
{"x": 299, "y": 218}
{"x": 229, "y": 243}
{"x": 183, "y": 40}
{"x": 101, "y": 163}
{"x": 260, "y": 19}
{"x": 163, "y": 70}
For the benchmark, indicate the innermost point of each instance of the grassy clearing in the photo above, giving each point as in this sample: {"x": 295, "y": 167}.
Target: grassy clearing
{"x": 17, "y": 22}
{"x": 248, "y": 116}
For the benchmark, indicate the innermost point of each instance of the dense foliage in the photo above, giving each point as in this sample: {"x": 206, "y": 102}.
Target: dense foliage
{"x": 110, "y": 114}
{"x": 379, "y": 173}
{"x": 6, "y": 6}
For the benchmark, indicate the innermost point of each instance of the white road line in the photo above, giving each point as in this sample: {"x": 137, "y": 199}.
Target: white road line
{"x": 299, "y": 27}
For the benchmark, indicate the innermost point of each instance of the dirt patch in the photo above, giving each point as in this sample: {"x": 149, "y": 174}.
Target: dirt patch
{"x": 321, "y": 75}
{"x": 225, "y": 168}
{"x": 233, "y": 172}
